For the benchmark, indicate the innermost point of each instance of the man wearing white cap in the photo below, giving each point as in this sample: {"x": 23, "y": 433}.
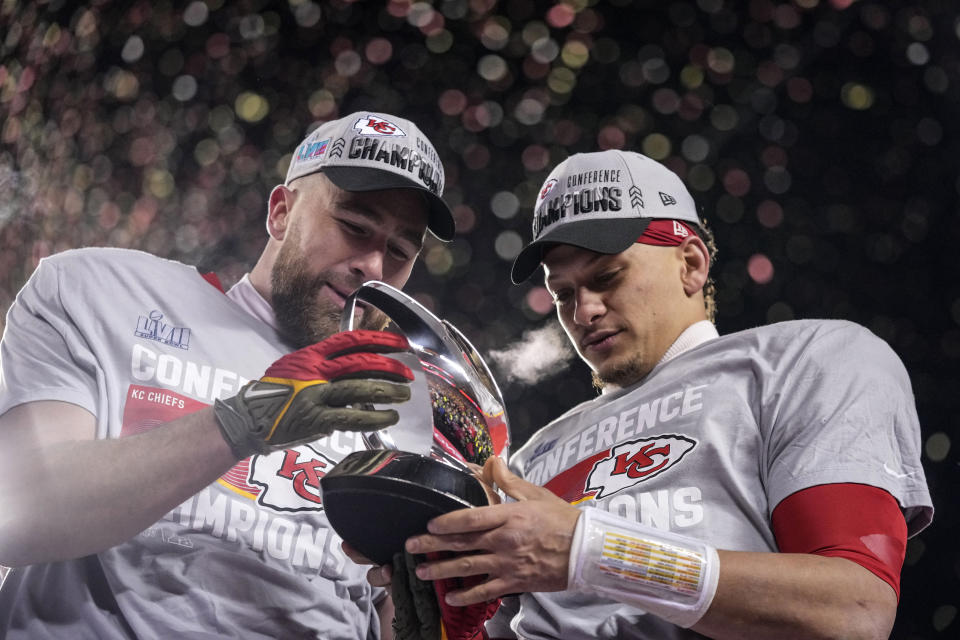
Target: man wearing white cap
{"x": 756, "y": 485}
{"x": 149, "y": 489}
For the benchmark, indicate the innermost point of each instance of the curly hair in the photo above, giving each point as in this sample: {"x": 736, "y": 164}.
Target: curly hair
{"x": 710, "y": 287}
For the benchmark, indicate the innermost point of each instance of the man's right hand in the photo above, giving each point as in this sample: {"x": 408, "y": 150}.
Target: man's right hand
{"x": 308, "y": 393}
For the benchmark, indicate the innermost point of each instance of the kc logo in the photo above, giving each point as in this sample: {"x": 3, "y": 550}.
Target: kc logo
{"x": 551, "y": 183}
{"x": 633, "y": 462}
{"x": 374, "y": 126}
{"x": 290, "y": 479}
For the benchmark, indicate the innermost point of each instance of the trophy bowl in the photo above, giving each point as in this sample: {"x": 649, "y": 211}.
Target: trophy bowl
{"x": 417, "y": 469}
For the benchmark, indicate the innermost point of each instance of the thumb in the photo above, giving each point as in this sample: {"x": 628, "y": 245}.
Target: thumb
{"x": 509, "y": 482}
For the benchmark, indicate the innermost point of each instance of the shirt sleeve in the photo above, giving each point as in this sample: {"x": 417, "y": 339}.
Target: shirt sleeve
{"x": 840, "y": 409}
{"x": 854, "y": 521}
{"x": 43, "y": 356}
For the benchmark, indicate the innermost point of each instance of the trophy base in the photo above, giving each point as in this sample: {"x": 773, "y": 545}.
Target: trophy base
{"x": 376, "y": 499}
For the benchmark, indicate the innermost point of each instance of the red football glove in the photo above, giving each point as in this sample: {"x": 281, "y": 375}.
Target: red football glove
{"x": 462, "y": 623}
{"x": 307, "y": 394}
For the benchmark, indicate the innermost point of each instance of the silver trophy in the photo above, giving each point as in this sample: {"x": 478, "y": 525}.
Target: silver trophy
{"x": 377, "y": 498}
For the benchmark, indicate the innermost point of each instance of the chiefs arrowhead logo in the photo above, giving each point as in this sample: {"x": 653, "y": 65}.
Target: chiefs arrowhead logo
{"x": 290, "y": 479}
{"x": 374, "y": 126}
{"x": 633, "y": 462}
{"x": 547, "y": 188}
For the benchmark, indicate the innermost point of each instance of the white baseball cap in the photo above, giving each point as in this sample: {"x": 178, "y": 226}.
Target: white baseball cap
{"x": 603, "y": 201}
{"x": 368, "y": 151}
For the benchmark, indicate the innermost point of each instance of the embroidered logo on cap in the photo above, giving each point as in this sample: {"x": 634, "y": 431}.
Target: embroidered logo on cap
{"x": 312, "y": 150}
{"x": 548, "y": 187}
{"x": 374, "y": 126}
{"x": 679, "y": 229}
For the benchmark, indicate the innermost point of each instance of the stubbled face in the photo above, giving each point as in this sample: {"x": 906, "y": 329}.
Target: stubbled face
{"x": 621, "y": 311}
{"x": 335, "y": 241}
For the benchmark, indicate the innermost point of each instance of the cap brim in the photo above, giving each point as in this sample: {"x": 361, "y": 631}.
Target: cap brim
{"x": 603, "y": 236}
{"x": 439, "y": 217}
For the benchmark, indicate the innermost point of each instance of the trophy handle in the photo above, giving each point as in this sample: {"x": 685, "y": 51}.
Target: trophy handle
{"x": 416, "y": 321}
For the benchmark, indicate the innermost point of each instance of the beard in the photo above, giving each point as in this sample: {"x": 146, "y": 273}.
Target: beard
{"x": 304, "y": 315}
{"x": 622, "y": 374}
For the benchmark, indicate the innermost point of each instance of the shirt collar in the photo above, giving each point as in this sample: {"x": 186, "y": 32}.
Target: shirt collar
{"x": 694, "y": 335}
{"x": 246, "y": 296}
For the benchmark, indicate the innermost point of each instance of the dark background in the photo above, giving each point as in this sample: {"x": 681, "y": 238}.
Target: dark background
{"x": 820, "y": 140}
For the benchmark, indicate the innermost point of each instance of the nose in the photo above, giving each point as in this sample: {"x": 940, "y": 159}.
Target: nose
{"x": 368, "y": 264}
{"x": 590, "y": 307}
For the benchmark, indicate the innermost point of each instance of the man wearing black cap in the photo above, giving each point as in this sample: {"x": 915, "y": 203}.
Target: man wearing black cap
{"x": 147, "y": 488}
{"x": 760, "y": 484}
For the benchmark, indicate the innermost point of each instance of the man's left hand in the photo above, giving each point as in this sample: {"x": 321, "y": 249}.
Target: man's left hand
{"x": 521, "y": 546}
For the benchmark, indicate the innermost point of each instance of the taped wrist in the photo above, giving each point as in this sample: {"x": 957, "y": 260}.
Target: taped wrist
{"x": 666, "y": 574}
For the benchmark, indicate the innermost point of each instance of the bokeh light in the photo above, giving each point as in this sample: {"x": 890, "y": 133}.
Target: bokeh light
{"x": 760, "y": 268}
{"x": 857, "y": 96}
{"x": 560, "y": 15}
{"x": 539, "y": 300}
{"x": 937, "y": 446}
{"x": 508, "y": 244}
{"x": 504, "y": 204}
{"x": 378, "y": 50}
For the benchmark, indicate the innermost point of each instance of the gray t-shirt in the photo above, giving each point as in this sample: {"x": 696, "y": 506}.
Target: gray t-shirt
{"x": 139, "y": 341}
{"x": 710, "y": 442}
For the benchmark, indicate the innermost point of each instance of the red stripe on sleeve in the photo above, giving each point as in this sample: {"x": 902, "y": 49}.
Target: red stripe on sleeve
{"x": 854, "y": 521}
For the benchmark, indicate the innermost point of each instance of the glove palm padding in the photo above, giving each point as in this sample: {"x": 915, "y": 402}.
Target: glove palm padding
{"x": 309, "y": 393}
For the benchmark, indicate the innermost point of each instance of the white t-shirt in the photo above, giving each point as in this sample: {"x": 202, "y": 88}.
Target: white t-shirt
{"x": 138, "y": 341}
{"x": 711, "y": 441}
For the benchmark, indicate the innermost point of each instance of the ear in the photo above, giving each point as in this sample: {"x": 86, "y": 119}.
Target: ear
{"x": 695, "y": 264}
{"x": 278, "y": 211}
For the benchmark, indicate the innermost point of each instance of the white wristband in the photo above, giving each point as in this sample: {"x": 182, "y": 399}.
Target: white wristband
{"x": 666, "y": 574}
